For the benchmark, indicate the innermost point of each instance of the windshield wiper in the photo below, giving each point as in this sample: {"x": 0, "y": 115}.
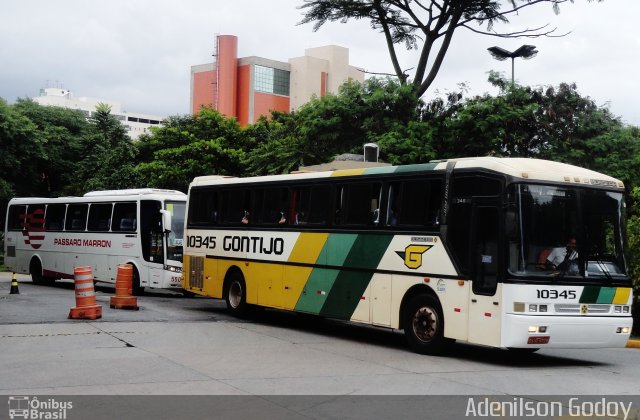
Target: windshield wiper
{"x": 602, "y": 267}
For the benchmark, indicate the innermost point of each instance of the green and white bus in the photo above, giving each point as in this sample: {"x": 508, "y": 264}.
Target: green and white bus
{"x": 447, "y": 250}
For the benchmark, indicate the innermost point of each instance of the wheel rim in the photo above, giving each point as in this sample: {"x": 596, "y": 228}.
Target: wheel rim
{"x": 425, "y": 323}
{"x": 235, "y": 294}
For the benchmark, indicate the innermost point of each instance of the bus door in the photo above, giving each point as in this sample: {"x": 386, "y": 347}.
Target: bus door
{"x": 152, "y": 235}
{"x": 484, "y": 257}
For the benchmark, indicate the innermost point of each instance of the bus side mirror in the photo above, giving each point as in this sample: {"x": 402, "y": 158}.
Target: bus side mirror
{"x": 166, "y": 220}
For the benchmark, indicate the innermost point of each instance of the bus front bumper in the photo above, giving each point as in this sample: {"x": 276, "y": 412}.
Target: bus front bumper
{"x": 526, "y": 331}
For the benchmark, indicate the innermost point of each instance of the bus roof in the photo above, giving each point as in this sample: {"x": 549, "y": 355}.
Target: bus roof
{"x": 523, "y": 168}
{"x": 107, "y": 195}
{"x": 133, "y": 191}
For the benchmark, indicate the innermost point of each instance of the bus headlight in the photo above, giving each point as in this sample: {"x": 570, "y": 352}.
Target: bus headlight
{"x": 617, "y": 309}
{"x": 173, "y": 269}
{"x": 533, "y": 329}
{"x": 625, "y": 309}
{"x": 533, "y": 308}
{"x": 622, "y": 330}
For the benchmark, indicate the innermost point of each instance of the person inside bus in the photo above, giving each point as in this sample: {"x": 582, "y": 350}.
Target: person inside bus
{"x": 245, "y": 218}
{"x": 560, "y": 258}
{"x": 283, "y": 219}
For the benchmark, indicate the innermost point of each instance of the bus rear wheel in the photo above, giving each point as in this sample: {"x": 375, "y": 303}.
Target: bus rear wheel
{"x": 424, "y": 325}
{"x": 136, "y": 289}
{"x": 236, "y": 295}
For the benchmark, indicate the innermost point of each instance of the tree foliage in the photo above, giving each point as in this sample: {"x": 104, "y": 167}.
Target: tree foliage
{"x": 425, "y": 25}
{"x": 189, "y": 146}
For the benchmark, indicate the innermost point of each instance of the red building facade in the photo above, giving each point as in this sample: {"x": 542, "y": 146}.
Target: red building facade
{"x": 246, "y": 88}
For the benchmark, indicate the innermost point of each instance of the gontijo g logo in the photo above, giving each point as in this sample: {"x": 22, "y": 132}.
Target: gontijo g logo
{"x": 32, "y": 408}
{"x": 412, "y": 255}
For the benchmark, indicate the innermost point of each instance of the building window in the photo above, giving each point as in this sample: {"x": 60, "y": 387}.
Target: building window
{"x": 270, "y": 80}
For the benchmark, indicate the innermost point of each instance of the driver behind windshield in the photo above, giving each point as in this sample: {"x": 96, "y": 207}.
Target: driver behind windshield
{"x": 560, "y": 258}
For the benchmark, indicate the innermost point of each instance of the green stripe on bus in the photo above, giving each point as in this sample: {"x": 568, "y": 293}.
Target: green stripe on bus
{"x": 419, "y": 167}
{"x": 321, "y": 280}
{"x": 316, "y": 290}
{"x": 590, "y": 294}
{"x": 606, "y": 295}
{"x": 349, "y": 286}
{"x": 380, "y": 170}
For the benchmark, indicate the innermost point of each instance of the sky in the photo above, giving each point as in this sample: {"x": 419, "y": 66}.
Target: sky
{"x": 139, "y": 52}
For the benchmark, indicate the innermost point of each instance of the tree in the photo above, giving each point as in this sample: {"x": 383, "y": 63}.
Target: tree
{"x": 427, "y": 25}
{"x": 189, "y": 146}
{"x": 59, "y": 131}
{"x": 333, "y": 124}
{"x": 108, "y": 155}
{"x": 21, "y": 151}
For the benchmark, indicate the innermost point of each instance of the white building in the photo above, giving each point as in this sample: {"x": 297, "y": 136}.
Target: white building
{"x": 135, "y": 123}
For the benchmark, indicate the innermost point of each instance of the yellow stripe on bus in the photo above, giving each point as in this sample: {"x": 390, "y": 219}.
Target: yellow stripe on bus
{"x": 306, "y": 251}
{"x": 348, "y": 172}
{"x": 622, "y": 296}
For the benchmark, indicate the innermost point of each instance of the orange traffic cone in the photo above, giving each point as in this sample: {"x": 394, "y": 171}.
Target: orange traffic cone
{"x": 123, "y": 298}
{"x": 14, "y": 285}
{"x": 86, "y": 307}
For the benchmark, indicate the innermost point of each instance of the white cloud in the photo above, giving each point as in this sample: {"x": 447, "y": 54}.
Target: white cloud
{"x": 139, "y": 53}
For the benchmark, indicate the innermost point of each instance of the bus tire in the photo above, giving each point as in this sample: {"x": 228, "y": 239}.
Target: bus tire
{"x": 522, "y": 351}
{"x": 424, "y": 325}
{"x": 187, "y": 293}
{"x": 136, "y": 289}
{"x": 235, "y": 294}
{"x": 35, "y": 269}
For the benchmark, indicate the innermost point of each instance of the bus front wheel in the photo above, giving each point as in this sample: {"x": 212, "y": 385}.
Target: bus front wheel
{"x": 236, "y": 295}
{"x": 35, "y": 269}
{"x": 136, "y": 288}
{"x": 424, "y": 325}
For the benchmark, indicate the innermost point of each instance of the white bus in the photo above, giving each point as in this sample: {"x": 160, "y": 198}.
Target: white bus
{"x": 48, "y": 237}
{"x": 448, "y": 250}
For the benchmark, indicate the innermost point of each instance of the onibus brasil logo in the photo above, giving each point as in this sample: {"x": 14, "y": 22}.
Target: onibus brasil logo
{"x": 32, "y": 408}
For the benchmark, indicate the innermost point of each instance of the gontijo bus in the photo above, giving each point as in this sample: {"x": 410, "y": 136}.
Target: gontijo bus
{"x": 48, "y": 237}
{"x": 447, "y": 250}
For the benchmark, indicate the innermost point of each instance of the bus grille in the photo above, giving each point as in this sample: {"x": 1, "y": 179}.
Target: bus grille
{"x": 196, "y": 272}
{"x": 572, "y": 308}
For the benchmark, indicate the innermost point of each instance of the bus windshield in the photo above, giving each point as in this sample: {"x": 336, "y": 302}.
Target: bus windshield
{"x": 566, "y": 232}
{"x": 175, "y": 236}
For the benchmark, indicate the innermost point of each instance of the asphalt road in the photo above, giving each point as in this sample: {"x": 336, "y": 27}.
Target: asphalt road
{"x": 190, "y": 346}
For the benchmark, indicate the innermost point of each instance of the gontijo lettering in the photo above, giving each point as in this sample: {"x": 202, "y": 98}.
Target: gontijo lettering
{"x": 253, "y": 244}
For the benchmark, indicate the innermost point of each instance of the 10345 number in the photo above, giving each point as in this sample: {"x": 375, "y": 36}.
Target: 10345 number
{"x": 197, "y": 241}
{"x": 555, "y": 294}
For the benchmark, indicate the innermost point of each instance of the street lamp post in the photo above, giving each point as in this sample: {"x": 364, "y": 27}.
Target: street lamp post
{"x": 526, "y": 52}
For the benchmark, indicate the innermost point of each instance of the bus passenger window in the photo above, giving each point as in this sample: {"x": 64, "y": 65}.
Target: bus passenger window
{"x": 361, "y": 203}
{"x": 271, "y": 206}
{"x": 54, "y": 218}
{"x": 235, "y": 205}
{"x": 76, "y": 217}
{"x": 100, "y": 217}
{"x": 414, "y": 204}
{"x": 16, "y": 218}
{"x": 310, "y": 205}
{"x": 124, "y": 217}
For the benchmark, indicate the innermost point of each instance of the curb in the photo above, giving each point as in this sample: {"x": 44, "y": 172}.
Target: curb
{"x": 632, "y": 343}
